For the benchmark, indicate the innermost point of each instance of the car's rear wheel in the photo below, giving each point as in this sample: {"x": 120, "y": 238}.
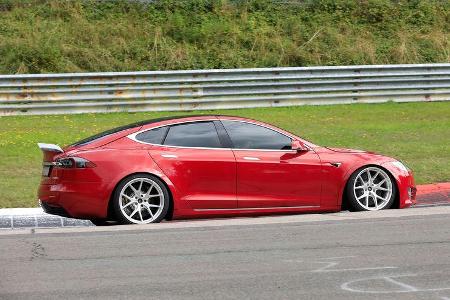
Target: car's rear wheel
{"x": 370, "y": 188}
{"x": 140, "y": 199}
{"x": 99, "y": 222}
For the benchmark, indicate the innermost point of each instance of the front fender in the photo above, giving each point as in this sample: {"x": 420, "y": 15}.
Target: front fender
{"x": 406, "y": 187}
{"x": 404, "y": 180}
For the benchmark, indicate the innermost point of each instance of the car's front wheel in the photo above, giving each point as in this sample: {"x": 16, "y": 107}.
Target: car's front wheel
{"x": 140, "y": 199}
{"x": 370, "y": 188}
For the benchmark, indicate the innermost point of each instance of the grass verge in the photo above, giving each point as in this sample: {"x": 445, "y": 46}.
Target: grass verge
{"x": 416, "y": 133}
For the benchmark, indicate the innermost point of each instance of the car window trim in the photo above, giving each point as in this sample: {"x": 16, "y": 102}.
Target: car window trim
{"x": 133, "y": 137}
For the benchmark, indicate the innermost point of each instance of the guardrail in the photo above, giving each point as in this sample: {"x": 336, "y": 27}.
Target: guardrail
{"x": 220, "y": 89}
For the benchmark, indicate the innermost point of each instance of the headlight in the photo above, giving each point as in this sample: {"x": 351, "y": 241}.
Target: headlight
{"x": 400, "y": 165}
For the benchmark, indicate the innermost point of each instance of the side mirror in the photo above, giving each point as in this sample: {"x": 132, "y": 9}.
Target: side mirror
{"x": 298, "y": 146}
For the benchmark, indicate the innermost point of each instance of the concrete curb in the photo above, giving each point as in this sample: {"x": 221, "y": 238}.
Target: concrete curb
{"x": 15, "y": 218}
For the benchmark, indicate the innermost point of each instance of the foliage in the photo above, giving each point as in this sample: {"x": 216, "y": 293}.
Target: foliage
{"x": 43, "y": 36}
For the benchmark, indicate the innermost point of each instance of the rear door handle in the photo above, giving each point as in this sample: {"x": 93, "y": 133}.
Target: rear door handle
{"x": 250, "y": 158}
{"x": 169, "y": 155}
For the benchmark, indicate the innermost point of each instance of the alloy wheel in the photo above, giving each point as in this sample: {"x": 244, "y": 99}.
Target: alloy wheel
{"x": 372, "y": 188}
{"x": 141, "y": 200}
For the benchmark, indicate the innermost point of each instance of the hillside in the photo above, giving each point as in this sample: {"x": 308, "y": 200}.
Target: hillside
{"x": 38, "y": 36}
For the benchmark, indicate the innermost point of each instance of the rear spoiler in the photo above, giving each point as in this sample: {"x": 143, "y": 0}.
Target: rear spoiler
{"x": 50, "y": 148}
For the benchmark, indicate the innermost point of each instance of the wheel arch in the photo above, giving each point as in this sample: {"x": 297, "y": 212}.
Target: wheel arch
{"x": 110, "y": 212}
{"x": 344, "y": 199}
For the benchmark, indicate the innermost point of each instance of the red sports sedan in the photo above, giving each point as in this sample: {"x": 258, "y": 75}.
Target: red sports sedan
{"x": 201, "y": 166}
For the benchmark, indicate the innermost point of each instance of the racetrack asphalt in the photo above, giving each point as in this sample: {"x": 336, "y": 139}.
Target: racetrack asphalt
{"x": 391, "y": 254}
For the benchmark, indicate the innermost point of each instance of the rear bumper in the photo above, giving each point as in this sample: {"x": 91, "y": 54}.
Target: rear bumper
{"x": 53, "y": 210}
{"x": 84, "y": 200}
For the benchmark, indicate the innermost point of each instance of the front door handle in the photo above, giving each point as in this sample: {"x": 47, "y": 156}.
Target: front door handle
{"x": 169, "y": 155}
{"x": 250, "y": 158}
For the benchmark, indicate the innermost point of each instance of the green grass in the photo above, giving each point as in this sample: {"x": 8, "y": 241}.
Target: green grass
{"x": 417, "y": 133}
{"x": 46, "y": 36}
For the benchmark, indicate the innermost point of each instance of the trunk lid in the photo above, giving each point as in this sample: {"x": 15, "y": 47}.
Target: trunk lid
{"x": 50, "y": 151}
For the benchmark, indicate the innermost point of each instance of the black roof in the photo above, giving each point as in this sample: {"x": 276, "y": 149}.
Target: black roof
{"x": 129, "y": 126}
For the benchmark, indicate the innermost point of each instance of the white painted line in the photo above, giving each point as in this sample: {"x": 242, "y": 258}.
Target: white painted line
{"x": 397, "y": 286}
{"x": 347, "y": 286}
{"x": 324, "y": 270}
{"x": 406, "y": 287}
{"x": 330, "y": 264}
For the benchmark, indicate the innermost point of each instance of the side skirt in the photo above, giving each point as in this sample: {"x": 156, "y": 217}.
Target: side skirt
{"x": 248, "y": 212}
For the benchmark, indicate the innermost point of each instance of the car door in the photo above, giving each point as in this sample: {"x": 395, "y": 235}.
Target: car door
{"x": 269, "y": 173}
{"x": 198, "y": 163}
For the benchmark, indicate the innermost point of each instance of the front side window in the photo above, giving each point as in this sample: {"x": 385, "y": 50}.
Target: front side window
{"x": 200, "y": 134}
{"x": 252, "y": 136}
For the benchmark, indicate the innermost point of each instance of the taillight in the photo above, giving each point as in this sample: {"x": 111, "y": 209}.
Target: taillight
{"x": 74, "y": 162}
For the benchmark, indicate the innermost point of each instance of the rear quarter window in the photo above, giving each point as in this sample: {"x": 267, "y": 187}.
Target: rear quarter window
{"x": 152, "y": 136}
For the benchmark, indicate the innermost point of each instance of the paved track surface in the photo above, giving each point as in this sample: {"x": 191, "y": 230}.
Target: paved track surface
{"x": 375, "y": 255}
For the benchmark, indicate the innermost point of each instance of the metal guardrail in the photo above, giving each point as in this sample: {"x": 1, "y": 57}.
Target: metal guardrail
{"x": 220, "y": 89}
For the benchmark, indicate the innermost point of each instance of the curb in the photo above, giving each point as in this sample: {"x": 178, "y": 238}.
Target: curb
{"x": 17, "y": 218}
{"x": 433, "y": 194}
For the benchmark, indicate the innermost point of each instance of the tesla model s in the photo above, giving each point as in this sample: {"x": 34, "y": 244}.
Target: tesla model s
{"x": 210, "y": 165}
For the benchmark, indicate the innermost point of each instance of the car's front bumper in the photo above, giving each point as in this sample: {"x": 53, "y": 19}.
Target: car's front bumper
{"x": 405, "y": 183}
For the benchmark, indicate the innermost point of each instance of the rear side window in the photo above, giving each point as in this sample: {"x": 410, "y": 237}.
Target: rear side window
{"x": 252, "y": 136}
{"x": 200, "y": 134}
{"x": 153, "y": 136}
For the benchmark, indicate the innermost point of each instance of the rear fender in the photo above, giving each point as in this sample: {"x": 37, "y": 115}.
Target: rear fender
{"x": 112, "y": 166}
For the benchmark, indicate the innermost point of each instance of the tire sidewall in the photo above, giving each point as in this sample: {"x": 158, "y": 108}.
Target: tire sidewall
{"x": 116, "y": 198}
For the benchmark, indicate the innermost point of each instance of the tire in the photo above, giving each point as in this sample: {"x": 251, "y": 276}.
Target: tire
{"x": 140, "y": 199}
{"x": 99, "y": 222}
{"x": 370, "y": 188}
